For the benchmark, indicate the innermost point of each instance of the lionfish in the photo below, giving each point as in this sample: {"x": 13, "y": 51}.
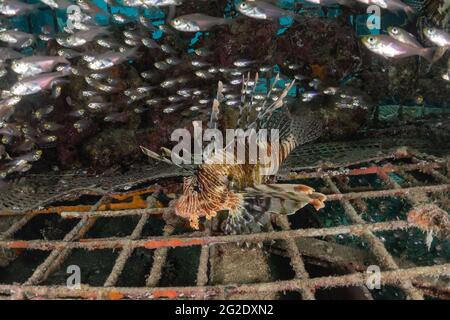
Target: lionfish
{"x": 241, "y": 189}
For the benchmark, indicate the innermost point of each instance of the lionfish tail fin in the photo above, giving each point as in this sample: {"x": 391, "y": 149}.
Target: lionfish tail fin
{"x": 287, "y": 198}
{"x": 263, "y": 200}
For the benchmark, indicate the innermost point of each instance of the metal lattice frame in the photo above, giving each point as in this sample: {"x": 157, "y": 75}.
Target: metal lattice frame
{"x": 409, "y": 279}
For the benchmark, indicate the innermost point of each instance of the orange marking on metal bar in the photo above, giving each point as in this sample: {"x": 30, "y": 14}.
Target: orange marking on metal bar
{"x": 136, "y": 203}
{"x": 126, "y": 195}
{"x": 171, "y": 294}
{"x": 115, "y": 295}
{"x": 18, "y": 245}
{"x": 154, "y": 244}
{"x": 363, "y": 171}
{"x": 381, "y": 171}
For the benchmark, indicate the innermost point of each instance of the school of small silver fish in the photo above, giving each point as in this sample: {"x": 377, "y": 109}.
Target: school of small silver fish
{"x": 36, "y": 77}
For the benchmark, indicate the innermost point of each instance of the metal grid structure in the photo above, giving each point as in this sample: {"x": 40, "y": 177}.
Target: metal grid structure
{"x": 416, "y": 282}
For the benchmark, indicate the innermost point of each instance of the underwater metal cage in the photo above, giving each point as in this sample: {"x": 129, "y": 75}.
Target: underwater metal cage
{"x": 294, "y": 260}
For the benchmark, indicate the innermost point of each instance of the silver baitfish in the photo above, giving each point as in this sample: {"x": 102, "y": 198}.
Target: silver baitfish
{"x": 259, "y": 9}
{"x": 35, "y": 84}
{"x": 404, "y": 36}
{"x": 30, "y": 66}
{"x": 389, "y": 47}
{"x": 197, "y": 22}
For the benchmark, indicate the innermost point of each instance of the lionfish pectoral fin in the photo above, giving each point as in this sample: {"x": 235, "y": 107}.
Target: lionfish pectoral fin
{"x": 248, "y": 219}
{"x": 154, "y": 155}
{"x": 162, "y": 158}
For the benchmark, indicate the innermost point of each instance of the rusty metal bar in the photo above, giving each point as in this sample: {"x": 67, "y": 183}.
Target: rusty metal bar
{"x": 403, "y": 192}
{"x": 125, "y": 253}
{"x": 58, "y": 255}
{"x": 295, "y": 257}
{"x": 330, "y": 197}
{"x": 422, "y": 166}
{"x": 202, "y": 272}
{"x": 392, "y": 277}
{"x": 159, "y": 259}
{"x": 376, "y": 245}
{"x": 174, "y": 241}
{"x": 115, "y": 213}
{"x": 16, "y": 227}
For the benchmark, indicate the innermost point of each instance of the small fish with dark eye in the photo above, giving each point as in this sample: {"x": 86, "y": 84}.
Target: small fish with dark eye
{"x": 309, "y": 96}
{"x": 107, "y": 43}
{"x": 41, "y": 113}
{"x": 51, "y": 126}
{"x": 199, "y": 64}
{"x": 169, "y": 83}
{"x": 20, "y": 167}
{"x": 258, "y": 9}
{"x": 46, "y": 140}
{"x": 29, "y": 157}
{"x": 82, "y": 37}
{"x": 110, "y": 59}
{"x": 99, "y": 106}
{"x": 150, "y": 43}
{"x": 173, "y": 61}
{"x": 34, "y": 65}
{"x": 148, "y": 75}
{"x": 88, "y": 93}
{"x": 330, "y": 91}
{"x": 35, "y": 84}
{"x": 7, "y": 140}
{"x": 120, "y": 18}
{"x": 78, "y": 113}
{"x": 197, "y": 22}
{"x": 389, "y": 47}
{"x": 162, "y": 65}
{"x": 168, "y": 49}
{"x": 204, "y": 74}
{"x": 154, "y": 101}
{"x": 82, "y": 125}
{"x": 437, "y": 36}
{"x": 117, "y": 117}
{"x": 202, "y": 52}
{"x": 146, "y": 22}
{"x": 17, "y": 39}
{"x": 404, "y": 36}
{"x": 174, "y": 108}
{"x": 242, "y": 63}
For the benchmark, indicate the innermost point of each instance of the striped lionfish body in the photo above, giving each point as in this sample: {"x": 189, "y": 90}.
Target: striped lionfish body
{"x": 240, "y": 188}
